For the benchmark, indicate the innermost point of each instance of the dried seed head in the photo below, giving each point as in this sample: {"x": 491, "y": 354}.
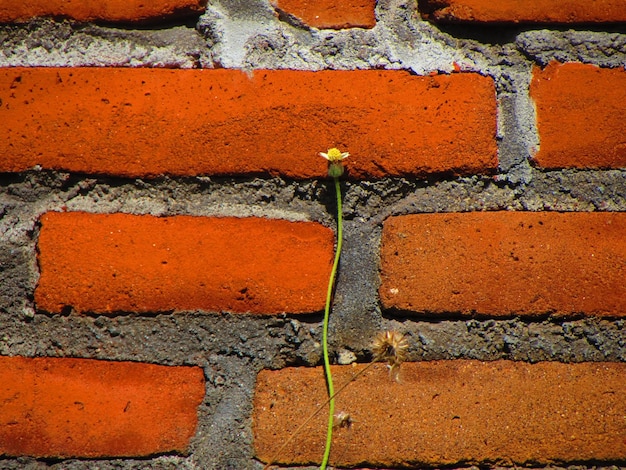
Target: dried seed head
{"x": 342, "y": 420}
{"x": 390, "y": 347}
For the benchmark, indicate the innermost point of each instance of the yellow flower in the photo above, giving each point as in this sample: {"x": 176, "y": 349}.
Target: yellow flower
{"x": 334, "y": 155}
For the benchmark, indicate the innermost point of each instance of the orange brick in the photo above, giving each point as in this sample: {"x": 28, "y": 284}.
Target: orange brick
{"x": 57, "y": 407}
{"x": 115, "y": 263}
{"x": 505, "y": 263}
{"x": 580, "y": 115}
{"x": 125, "y": 11}
{"x": 524, "y": 11}
{"x": 147, "y": 122}
{"x": 329, "y": 14}
{"x": 448, "y": 413}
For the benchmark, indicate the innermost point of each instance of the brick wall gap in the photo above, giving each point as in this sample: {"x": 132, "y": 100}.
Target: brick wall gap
{"x": 436, "y": 317}
{"x": 487, "y": 33}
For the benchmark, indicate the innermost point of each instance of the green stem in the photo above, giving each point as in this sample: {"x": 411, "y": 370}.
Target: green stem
{"x": 329, "y": 298}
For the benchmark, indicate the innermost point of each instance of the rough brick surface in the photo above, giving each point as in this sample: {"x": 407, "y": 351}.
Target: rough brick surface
{"x": 524, "y": 11}
{"x": 126, "y": 11}
{"x": 449, "y": 413}
{"x": 146, "y": 122}
{"x": 580, "y": 115}
{"x": 505, "y": 263}
{"x": 125, "y": 263}
{"x": 57, "y": 407}
{"x": 329, "y": 14}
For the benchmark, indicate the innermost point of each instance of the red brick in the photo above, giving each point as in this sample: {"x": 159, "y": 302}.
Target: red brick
{"x": 147, "y": 122}
{"x": 115, "y": 263}
{"x": 505, "y": 263}
{"x": 329, "y": 14}
{"x": 580, "y": 115}
{"x": 125, "y": 11}
{"x": 524, "y": 11}
{"x": 57, "y": 407}
{"x": 448, "y": 413}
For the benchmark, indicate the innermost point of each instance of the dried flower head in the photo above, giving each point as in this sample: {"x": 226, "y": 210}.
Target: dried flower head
{"x": 390, "y": 347}
{"x": 342, "y": 420}
{"x": 334, "y": 157}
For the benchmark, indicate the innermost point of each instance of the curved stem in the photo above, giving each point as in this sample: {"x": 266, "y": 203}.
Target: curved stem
{"x": 318, "y": 409}
{"x": 329, "y": 298}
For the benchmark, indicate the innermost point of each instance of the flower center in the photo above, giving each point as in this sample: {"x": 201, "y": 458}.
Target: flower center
{"x": 334, "y": 155}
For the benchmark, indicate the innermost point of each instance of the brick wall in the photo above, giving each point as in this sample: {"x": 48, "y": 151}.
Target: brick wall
{"x": 167, "y": 231}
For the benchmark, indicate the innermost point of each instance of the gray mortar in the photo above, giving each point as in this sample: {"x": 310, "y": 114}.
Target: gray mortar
{"x": 605, "y": 49}
{"x": 46, "y": 43}
{"x": 232, "y": 348}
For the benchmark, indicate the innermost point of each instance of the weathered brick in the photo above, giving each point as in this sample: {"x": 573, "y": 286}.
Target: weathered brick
{"x": 580, "y": 115}
{"x": 523, "y": 11}
{"x": 125, "y": 11}
{"x": 147, "y": 122}
{"x": 505, "y": 263}
{"x": 329, "y": 14}
{"x": 448, "y": 413}
{"x": 112, "y": 263}
{"x": 58, "y": 407}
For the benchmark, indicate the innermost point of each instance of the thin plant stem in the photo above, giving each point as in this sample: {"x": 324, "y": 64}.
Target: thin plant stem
{"x": 329, "y": 378}
{"x": 329, "y": 299}
{"x": 318, "y": 409}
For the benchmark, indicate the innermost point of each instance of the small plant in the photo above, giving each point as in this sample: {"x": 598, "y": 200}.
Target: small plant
{"x": 389, "y": 346}
{"x": 335, "y": 170}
